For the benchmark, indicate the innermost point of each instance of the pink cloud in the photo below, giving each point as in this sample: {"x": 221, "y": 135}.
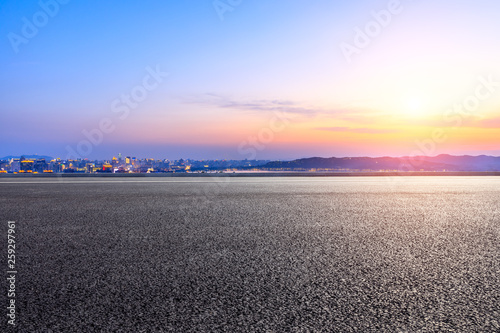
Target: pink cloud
{"x": 357, "y": 130}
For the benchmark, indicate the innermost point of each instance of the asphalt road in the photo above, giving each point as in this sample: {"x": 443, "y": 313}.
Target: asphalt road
{"x": 398, "y": 254}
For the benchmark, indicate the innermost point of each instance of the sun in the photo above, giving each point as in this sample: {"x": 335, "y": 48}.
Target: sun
{"x": 414, "y": 106}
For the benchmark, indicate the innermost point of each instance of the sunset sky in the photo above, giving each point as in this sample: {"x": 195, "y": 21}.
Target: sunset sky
{"x": 249, "y": 79}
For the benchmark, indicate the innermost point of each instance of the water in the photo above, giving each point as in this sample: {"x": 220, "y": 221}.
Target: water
{"x": 408, "y": 254}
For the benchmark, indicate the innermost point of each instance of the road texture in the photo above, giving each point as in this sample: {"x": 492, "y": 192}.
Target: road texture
{"x": 364, "y": 254}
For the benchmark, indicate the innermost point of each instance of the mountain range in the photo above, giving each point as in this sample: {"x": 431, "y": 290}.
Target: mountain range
{"x": 32, "y": 157}
{"x": 414, "y": 163}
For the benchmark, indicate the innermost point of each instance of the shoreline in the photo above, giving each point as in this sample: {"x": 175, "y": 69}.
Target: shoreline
{"x": 256, "y": 174}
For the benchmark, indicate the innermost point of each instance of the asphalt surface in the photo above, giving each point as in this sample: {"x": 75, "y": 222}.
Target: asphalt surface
{"x": 397, "y": 254}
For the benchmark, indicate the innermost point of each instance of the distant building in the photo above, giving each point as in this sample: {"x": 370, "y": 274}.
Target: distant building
{"x": 15, "y": 165}
{"x": 55, "y": 165}
{"x": 27, "y": 165}
{"x": 107, "y": 168}
{"x": 40, "y": 165}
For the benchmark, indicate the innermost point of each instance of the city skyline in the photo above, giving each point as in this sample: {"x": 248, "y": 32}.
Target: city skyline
{"x": 130, "y": 164}
{"x": 255, "y": 80}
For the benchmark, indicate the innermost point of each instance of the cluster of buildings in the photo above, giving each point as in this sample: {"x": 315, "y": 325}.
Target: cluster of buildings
{"x": 121, "y": 165}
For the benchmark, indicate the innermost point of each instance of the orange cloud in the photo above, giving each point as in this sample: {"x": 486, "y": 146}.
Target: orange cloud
{"x": 357, "y": 130}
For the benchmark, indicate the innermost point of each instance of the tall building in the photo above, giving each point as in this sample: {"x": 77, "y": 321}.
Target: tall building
{"x": 15, "y": 165}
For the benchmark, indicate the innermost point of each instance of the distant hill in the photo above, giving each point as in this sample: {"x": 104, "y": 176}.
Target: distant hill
{"x": 31, "y": 157}
{"x": 406, "y": 163}
{"x": 468, "y": 163}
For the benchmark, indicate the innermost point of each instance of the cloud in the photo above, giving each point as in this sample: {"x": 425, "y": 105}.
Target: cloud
{"x": 357, "y": 130}
{"x": 485, "y": 123}
{"x": 459, "y": 120}
{"x": 262, "y": 105}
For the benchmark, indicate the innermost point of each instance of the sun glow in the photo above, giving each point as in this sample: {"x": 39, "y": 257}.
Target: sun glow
{"x": 414, "y": 106}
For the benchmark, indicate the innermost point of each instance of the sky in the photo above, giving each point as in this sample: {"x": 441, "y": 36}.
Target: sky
{"x": 236, "y": 79}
